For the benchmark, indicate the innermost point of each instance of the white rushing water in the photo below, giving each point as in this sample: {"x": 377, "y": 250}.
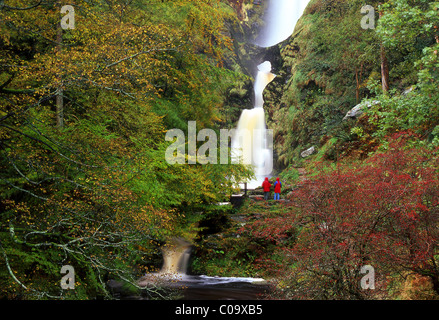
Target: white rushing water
{"x": 175, "y": 257}
{"x": 280, "y": 21}
{"x": 251, "y": 143}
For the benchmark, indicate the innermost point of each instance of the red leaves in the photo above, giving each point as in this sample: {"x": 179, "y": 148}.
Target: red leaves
{"x": 383, "y": 212}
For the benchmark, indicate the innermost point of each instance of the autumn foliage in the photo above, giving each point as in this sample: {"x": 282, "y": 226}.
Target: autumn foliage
{"x": 94, "y": 190}
{"x": 382, "y": 213}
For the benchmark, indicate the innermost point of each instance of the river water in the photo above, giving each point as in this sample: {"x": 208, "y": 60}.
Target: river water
{"x": 173, "y": 277}
{"x": 200, "y": 287}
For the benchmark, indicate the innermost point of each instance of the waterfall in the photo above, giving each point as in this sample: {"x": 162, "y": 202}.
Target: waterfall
{"x": 252, "y": 142}
{"x": 175, "y": 257}
{"x": 176, "y": 254}
{"x": 280, "y": 21}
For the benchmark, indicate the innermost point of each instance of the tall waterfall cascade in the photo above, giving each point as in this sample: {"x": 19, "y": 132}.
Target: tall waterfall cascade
{"x": 252, "y": 143}
{"x": 280, "y": 21}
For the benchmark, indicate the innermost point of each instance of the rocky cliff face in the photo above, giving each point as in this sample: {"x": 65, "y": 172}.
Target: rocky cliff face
{"x": 243, "y": 29}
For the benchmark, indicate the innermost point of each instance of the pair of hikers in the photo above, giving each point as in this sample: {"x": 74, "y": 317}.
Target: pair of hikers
{"x": 266, "y": 185}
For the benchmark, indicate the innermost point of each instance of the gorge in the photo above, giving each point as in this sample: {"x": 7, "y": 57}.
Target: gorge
{"x": 251, "y": 144}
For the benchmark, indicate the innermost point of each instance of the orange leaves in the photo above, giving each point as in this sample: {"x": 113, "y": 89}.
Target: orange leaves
{"x": 102, "y": 51}
{"x": 98, "y": 187}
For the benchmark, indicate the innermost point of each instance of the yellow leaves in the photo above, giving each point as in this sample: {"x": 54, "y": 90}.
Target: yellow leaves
{"x": 103, "y": 131}
{"x": 99, "y": 41}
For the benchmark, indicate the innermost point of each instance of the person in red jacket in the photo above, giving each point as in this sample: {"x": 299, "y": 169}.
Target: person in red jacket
{"x": 277, "y": 186}
{"x": 266, "y": 185}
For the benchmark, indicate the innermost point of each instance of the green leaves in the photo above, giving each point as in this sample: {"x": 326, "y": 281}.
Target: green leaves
{"x": 404, "y": 21}
{"x": 98, "y": 191}
{"x": 413, "y": 29}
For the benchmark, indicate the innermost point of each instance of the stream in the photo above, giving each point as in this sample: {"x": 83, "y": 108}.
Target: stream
{"x": 172, "y": 278}
{"x": 201, "y": 287}
{"x": 173, "y": 274}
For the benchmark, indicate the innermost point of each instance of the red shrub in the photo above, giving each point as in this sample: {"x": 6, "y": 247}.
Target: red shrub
{"x": 383, "y": 213}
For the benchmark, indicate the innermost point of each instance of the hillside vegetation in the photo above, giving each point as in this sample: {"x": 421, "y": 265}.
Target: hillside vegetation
{"x": 332, "y": 64}
{"x": 370, "y": 196}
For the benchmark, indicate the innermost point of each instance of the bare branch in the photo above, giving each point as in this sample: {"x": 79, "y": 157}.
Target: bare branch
{"x": 4, "y": 6}
{"x": 11, "y": 273}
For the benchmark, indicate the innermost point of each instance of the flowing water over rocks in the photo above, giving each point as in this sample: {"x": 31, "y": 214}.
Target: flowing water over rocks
{"x": 173, "y": 278}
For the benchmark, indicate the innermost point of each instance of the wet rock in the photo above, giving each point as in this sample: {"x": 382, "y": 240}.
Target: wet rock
{"x": 308, "y": 152}
{"x": 407, "y": 91}
{"x": 240, "y": 218}
{"x": 237, "y": 200}
{"x": 358, "y": 110}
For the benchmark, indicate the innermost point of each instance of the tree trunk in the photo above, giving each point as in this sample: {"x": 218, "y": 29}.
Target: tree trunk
{"x": 357, "y": 87}
{"x": 384, "y": 69}
{"x": 59, "y": 95}
{"x": 384, "y": 66}
{"x": 358, "y": 78}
